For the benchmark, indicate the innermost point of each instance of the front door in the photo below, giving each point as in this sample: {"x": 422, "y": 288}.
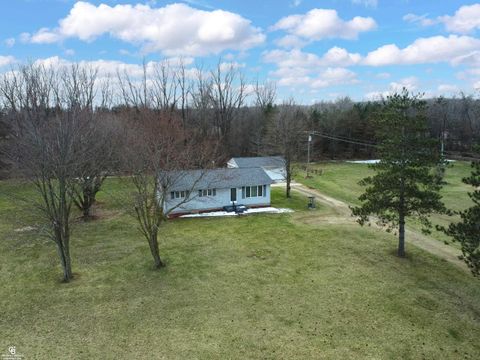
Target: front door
{"x": 233, "y": 194}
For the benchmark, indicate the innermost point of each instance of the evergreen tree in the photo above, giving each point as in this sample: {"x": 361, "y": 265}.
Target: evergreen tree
{"x": 404, "y": 182}
{"x": 467, "y": 231}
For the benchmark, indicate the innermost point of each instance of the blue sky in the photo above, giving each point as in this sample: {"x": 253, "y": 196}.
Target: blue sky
{"x": 313, "y": 50}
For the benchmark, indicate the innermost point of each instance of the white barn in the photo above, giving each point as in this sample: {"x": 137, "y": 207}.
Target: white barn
{"x": 274, "y": 166}
{"x": 195, "y": 191}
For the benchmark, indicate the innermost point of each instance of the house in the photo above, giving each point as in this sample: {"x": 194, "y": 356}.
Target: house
{"x": 274, "y": 166}
{"x": 192, "y": 191}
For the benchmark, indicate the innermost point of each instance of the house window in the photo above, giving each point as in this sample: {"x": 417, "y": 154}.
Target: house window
{"x": 207, "y": 192}
{"x": 254, "y": 191}
{"x": 179, "y": 194}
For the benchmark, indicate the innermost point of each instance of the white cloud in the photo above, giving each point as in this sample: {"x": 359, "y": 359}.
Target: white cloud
{"x": 383, "y": 75}
{"x": 320, "y": 24}
{"x": 423, "y": 20}
{"x": 69, "y": 52}
{"x": 410, "y": 83}
{"x": 424, "y": 50}
{"x": 367, "y": 3}
{"x": 474, "y": 71}
{"x": 43, "y": 36}
{"x": 156, "y": 29}
{"x": 6, "y": 60}
{"x": 334, "y": 76}
{"x": 465, "y": 20}
{"x": 296, "y": 58}
{"x": 107, "y": 68}
{"x": 470, "y": 59}
{"x": 376, "y": 95}
{"x": 225, "y": 66}
{"x": 341, "y": 57}
{"x": 448, "y": 89}
{"x": 295, "y": 3}
{"x": 295, "y": 67}
{"x": 326, "y": 78}
{"x": 290, "y": 41}
{"x": 9, "y": 42}
{"x": 476, "y": 86}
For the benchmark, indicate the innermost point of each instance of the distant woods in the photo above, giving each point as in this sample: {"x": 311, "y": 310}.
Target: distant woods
{"x": 220, "y": 102}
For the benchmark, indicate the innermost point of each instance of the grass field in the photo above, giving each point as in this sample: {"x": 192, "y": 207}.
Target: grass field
{"x": 254, "y": 287}
{"x": 340, "y": 180}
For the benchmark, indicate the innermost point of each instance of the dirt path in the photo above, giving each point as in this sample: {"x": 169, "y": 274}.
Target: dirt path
{"x": 342, "y": 214}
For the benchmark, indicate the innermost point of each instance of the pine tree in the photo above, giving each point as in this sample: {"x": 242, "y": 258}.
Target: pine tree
{"x": 404, "y": 182}
{"x": 467, "y": 231}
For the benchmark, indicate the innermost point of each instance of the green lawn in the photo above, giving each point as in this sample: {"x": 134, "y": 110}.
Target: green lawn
{"x": 340, "y": 180}
{"x": 252, "y": 287}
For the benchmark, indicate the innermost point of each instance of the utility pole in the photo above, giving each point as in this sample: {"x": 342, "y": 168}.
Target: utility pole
{"x": 443, "y": 137}
{"x": 308, "y": 151}
{"x": 444, "y": 108}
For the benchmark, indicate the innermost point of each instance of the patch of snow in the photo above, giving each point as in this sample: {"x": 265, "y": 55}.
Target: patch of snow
{"x": 25, "y": 229}
{"x": 375, "y": 161}
{"x": 269, "y": 210}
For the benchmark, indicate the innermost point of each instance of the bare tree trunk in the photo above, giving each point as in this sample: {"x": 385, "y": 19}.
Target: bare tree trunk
{"x": 64, "y": 254}
{"x": 158, "y": 263}
{"x": 289, "y": 176}
{"x": 88, "y": 202}
{"x": 401, "y": 236}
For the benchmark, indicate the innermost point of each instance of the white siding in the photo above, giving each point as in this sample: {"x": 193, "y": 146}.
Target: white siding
{"x": 222, "y": 199}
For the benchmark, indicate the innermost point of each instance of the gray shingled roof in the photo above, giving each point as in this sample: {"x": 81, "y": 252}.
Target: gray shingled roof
{"x": 259, "y": 161}
{"x": 214, "y": 178}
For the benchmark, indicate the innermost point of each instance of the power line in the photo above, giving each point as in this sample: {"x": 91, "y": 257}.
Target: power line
{"x": 340, "y": 137}
{"x": 347, "y": 140}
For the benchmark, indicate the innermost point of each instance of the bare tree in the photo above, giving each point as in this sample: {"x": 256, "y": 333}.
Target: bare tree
{"x": 80, "y": 86}
{"x": 135, "y": 93}
{"x": 201, "y": 101}
{"x": 44, "y": 149}
{"x": 50, "y": 117}
{"x": 284, "y": 135}
{"x": 100, "y": 139}
{"x": 265, "y": 96}
{"x": 159, "y": 149}
{"x": 185, "y": 88}
{"x": 228, "y": 93}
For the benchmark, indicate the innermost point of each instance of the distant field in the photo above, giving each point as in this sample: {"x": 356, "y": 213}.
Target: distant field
{"x": 340, "y": 180}
{"x": 254, "y": 287}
